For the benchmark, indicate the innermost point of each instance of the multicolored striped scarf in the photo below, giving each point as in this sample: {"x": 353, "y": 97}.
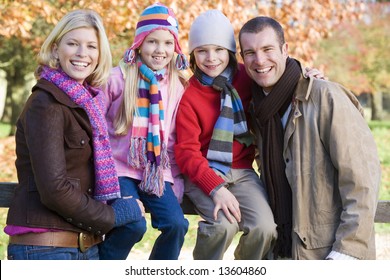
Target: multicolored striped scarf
{"x": 91, "y": 100}
{"x": 147, "y": 148}
{"x": 231, "y": 123}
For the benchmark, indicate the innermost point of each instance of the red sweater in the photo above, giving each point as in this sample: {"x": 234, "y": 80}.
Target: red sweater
{"x": 198, "y": 112}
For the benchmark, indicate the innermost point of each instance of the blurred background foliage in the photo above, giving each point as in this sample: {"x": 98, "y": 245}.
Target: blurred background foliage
{"x": 348, "y": 40}
{"x": 25, "y": 24}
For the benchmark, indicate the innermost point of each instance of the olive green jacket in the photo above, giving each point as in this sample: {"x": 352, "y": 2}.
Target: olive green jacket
{"x": 333, "y": 169}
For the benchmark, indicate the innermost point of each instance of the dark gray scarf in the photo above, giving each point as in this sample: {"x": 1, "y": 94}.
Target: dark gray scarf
{"x": 268, "y": 111}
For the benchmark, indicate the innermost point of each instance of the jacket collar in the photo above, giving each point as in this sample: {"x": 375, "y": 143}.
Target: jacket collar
{"x": 53, "y": 90}
{"x": 304, "y": 88}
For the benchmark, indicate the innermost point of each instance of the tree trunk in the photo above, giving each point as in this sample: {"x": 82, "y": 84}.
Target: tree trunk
{"x": 7, "y": 113}
{"x": 377, "y": 106}
{"x": 18, "y": 89}
{"x": 3, "y": 91}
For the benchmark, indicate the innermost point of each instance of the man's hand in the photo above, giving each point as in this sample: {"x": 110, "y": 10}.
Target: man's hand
{"x": 224, "y": 200}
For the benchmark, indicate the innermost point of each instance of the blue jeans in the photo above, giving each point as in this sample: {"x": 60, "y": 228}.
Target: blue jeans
{"x": 29, "y": 252}
{"x": 167, "y": 216}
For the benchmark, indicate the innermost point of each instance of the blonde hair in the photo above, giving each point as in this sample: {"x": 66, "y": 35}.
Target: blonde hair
{"x": 128, "y": 108}
{"x": 82, "y": 18}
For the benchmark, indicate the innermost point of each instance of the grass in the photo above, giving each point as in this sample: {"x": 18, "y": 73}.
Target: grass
{"x": 380, "y": 130}
{"x": 381, "y": 134}
{"x": 4, "y": 129}
{"x": 3, "y": 236}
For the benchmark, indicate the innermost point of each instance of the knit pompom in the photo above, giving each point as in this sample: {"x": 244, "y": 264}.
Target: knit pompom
{"x": 129, "y": 56}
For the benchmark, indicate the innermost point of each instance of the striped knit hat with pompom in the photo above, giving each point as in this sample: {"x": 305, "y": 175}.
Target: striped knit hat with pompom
{"x": 156, "y": 17}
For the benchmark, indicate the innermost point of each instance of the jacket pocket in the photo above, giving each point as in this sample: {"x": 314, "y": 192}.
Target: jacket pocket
{"x": 318, "y": 237}
{"x": 77, "y": 140}
{"x": 38, "y": 214}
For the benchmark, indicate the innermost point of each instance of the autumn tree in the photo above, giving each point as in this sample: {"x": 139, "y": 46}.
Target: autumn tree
{"x": 358, "y": 57}
{"x": 24, "y": 25}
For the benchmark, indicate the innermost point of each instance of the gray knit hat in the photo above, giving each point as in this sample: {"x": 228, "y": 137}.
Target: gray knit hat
{"x": 212, "y": 28}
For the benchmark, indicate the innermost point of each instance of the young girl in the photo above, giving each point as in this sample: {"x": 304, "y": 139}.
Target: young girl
{"x": 143, "y": 95}
{"x": 212, "y": 131}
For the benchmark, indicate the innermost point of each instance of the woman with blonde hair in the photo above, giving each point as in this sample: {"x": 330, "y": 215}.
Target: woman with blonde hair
{"x": 68, "y": 194}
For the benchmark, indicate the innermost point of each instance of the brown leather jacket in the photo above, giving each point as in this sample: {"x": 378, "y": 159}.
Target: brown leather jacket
{"x": 55, "y": 166}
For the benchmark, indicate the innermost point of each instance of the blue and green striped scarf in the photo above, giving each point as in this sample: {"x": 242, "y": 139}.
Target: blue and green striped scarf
{"x": 231, "y": 123}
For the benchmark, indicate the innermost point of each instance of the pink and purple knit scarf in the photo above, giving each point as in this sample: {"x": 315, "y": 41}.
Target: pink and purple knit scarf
{"x": 147, "y": 148}
{"x": 91, "y": 100}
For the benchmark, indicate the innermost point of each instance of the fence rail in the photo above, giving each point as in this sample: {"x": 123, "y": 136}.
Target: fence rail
{"x": 7, "y": 191}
